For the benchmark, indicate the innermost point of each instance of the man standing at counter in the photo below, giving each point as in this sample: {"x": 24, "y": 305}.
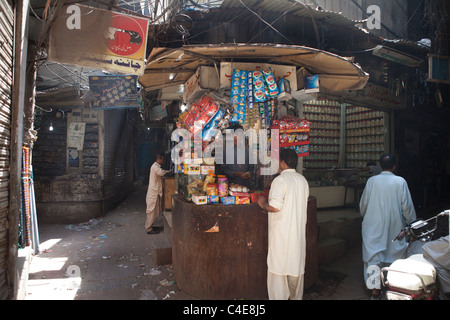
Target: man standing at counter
{"x": 154, "y": 194}
{"x": 238, "y": 172}
{"x": 287, "y": 214}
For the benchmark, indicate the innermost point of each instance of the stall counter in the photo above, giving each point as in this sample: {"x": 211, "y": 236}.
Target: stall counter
{"x": 220, "y": 251}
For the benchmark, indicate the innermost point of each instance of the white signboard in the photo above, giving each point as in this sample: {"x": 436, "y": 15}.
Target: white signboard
{"x": 75, "y": 135}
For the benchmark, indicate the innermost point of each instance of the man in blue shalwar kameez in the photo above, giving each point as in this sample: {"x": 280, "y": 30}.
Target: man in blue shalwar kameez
{"x": 386, "y": 207}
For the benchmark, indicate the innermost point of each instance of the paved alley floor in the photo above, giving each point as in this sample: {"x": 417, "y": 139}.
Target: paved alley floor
{"x": 110, "y": 258}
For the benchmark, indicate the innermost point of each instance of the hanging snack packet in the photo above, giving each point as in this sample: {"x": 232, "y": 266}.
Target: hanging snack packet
{"x": 238, "y": 87}
{"x": 238, "y": 96}
{"x": 205, "y": 108}
{"x": 270, "y": 81}
{"x": 258, "y": 86}
{"x": 250, "y": 90}
{"x": 208, "y": 131}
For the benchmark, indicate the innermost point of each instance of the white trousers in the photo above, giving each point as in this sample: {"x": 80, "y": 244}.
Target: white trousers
{"x": 282, "y": 287}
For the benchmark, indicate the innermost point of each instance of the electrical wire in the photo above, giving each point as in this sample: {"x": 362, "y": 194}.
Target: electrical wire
{"x": 270, "y": 26}
{"x": 412, "y": 16}
{"x": 282, "y": 15}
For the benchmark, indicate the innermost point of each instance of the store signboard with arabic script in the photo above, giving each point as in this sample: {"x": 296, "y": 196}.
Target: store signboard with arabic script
{"x": 112, "y": 92}
{"x": 102, "y": 40}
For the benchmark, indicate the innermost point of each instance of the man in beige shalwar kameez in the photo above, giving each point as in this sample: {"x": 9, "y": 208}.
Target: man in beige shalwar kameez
{"x": 286, "y": 206}
{"x": 154, "y": 194}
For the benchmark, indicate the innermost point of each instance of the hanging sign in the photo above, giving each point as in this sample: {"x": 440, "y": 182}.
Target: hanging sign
{"x": 100, "y": 39}
{"x": 113, "y": 92}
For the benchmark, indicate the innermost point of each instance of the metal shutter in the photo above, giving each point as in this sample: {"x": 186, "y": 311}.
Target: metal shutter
{"x": 6, "y": 62}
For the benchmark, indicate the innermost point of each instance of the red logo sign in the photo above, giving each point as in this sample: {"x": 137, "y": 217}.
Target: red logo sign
{"x": 126, "y": 35}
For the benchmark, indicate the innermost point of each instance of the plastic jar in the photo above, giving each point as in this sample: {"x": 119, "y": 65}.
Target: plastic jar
{"x": 209, "y": 179}
{"x": 222, "y": 186}
{"x": 211, "y": 189}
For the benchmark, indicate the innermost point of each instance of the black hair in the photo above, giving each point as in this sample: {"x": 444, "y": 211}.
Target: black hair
{"x": 387, "y": 161}
{"x": 290, "y": 157}
{"x": 235, "y": 126}
{"x": 159, "y": 156}
{"x": 371, "y": 163}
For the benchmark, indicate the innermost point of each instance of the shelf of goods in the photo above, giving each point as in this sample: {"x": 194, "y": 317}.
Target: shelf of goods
{"x": 364, "y": 136}
{"x": 324, "y": 116}
{"x": 294, "y": 134}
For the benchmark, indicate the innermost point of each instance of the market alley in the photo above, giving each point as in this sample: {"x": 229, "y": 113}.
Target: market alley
{"x": 110, "y": 258}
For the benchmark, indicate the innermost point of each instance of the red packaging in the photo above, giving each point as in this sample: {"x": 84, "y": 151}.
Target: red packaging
{"x": 254, "y": 195}
{"x": 242, "y": 200}
{"x": 200, "y": 113}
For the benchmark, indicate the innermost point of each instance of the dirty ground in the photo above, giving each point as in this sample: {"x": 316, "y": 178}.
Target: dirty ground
{"x": 110, "y": 258}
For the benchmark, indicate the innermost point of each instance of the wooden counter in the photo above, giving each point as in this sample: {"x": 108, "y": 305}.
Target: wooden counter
{"x": 168, "y": 191}
{"x": 229, "y": 261}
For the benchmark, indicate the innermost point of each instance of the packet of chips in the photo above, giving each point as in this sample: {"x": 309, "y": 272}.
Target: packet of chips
{"x": 208, "y": 131}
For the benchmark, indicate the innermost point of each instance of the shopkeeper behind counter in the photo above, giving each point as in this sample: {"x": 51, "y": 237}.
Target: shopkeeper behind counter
{"x": 238, "y": 173}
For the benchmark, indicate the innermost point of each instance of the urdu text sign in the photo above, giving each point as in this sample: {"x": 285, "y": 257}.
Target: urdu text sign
{"x": 102, "y": 39}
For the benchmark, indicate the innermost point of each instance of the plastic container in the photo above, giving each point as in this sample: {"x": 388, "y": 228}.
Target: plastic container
{"x": 211, "y": 189}
{"x": 222, "y": 186}
{"x": 256, "y": 194}
{"x": 209, "y": 179}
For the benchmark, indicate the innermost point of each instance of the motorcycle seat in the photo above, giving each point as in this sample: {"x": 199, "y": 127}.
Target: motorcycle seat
{"x": 403, "y": 274}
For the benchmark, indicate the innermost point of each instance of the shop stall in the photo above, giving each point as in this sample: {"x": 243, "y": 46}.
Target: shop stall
{"x": 345, "y": 140}
{"x": 219, "y": 243}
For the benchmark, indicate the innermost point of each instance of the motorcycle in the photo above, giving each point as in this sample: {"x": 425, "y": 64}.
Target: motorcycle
{"x": 425, "y": 273}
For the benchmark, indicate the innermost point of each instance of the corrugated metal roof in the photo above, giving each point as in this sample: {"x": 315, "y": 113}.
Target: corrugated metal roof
{"x": 273, "y": 8}
{"x": 293, "y": 7}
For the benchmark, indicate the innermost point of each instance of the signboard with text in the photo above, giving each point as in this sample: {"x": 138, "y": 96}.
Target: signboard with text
{"x": 100, "y": 39}
{"x": 114, "y": 91}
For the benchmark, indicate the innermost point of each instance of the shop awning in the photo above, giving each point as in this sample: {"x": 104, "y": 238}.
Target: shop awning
{"x": 171, "y": 67}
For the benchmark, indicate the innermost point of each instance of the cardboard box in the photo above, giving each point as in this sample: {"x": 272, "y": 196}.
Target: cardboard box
{"x": 203, "y": 80}
{"x": 227, "y": 200}
{"x": 279, "y": 71}
{"x": 312, "y": 83}
{"x": 213, "y": 199}
{"x": 192, "y": 169}
{"x": 284, "y": 88}
{"x": 200, "y": 200}
{"x": 206, "y": 169}
{"x": 242, "y": 199}
{"x": 208, "y": 161}
{"x": 192, "y": 161}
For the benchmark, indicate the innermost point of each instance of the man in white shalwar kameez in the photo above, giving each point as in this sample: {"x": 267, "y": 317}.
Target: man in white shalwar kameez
{"x": 154, "y": 194}
{"x": 386, "y": 207}
{"x": 287, "y": 215}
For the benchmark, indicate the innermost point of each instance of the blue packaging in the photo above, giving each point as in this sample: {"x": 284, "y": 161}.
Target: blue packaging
{"x": 228, "y": 200}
